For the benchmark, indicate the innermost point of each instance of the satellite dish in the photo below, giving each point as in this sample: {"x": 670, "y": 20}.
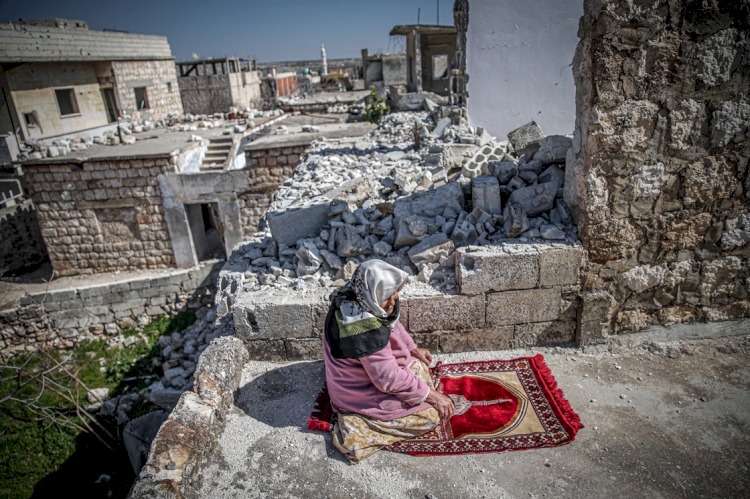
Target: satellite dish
{"x": 195, "y": 56}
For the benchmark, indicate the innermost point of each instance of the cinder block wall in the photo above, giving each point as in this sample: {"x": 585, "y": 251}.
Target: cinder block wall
{"x": 527, "y": 296}
{"x": 21, "y": 242}
{"x": 659, "y": 165}
{"x": 101, "y": 311}
{"x": 102, "y": 216}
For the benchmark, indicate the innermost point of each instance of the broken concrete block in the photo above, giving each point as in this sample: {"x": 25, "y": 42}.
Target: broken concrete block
{"x": 464, "y": 234}
{"x": 479, "y": 163}
{"x": 446, "y": 312}
{"x": 503, "y": 170}
{"x": 478, "y": 217}
{"x": 492, "y": 268}
{"x": 431, "y": 249}
{"x": 287, "y": 227}
{"x": 551, "y": 232}
{"x": 563, "y": 212}
{"x": 404, "y": 237}
{"x": 485, "y": 194}
{"x": 440, "y": 127}
{"x": 430, "y": 203}
{"x": 456, "y": 155}
{"x": 349, "y": 242}
{"x": 516, "y": 221}
{"x": 331, "y": 259}
{"x": 382, "y": 248}
{"x": 310, "y": 258}
{"x": 522, "y": 306}
{"x": 535, "y": 199}
{"x": 396, "y": 155}
{"x": 552, "y": 174}
{"x": 525, "y": 137}
{"x": 553, "y": 148}
{"x": 418, "y": 225}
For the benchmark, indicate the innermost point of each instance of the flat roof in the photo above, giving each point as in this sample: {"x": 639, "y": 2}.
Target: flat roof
{"x": 156, "y": 143}
{"x": 297, "y": 137}
{"x": 427, "y": 29}
{"x": 24, "y": 42}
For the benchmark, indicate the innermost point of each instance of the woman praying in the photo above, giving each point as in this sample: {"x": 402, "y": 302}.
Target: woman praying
{"x": 377, "y": 378}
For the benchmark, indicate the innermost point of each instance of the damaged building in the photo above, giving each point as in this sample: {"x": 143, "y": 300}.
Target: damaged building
{"x": 217, "y": 85}
{"x": 61, "y": 80}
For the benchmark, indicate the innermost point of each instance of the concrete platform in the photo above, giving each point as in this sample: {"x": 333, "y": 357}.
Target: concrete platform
{"x": 682, "y": 430}
{"x": 329, "y": 131}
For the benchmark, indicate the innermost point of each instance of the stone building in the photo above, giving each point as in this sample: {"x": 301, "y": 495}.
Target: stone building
{"x": 429, "y": 54}
{"x": 215, "y": 85}
{"x": 62, "y": 80}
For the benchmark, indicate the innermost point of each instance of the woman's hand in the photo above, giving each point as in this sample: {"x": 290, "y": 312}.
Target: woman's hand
{"x": 422, "y": 354}
{"x": 441, "y": 403}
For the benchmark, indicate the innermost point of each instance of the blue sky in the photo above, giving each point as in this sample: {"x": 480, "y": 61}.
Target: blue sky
{"x": 271, "y": 30}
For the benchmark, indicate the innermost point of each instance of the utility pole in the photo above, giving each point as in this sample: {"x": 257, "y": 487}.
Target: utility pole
{"x": 419, "y": 13}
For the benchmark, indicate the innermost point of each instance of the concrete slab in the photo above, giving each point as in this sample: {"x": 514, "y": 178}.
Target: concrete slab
{"x": 329, "y": 131}
{"x": 681, "y": 430}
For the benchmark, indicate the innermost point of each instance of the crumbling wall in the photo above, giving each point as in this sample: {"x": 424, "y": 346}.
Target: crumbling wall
{"x": 21, "y": 243}
{"x": 658, "y": 168}
{"x": 205, "y": 94}
{"x": 267, "y": 169}
{"x": 103, "y": 310}
{"x": 102, "y": 216}
{"x": 157, "y": 77}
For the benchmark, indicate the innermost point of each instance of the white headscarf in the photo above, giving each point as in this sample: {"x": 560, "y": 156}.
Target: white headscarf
{"x": 375, "y": 281}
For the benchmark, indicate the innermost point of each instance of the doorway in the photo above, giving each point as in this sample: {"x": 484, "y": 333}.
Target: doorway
{"x": 108, "y": 95}
{"x": 205, "y": 229}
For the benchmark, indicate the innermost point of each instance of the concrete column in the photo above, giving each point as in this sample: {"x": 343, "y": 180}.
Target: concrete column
{"x": 229, "y": 214}
{"x": 179, "y": 228}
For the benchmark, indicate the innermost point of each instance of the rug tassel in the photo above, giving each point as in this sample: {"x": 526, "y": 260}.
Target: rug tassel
{"x": 566, "y": 411}
{"x": 320, "y": 418}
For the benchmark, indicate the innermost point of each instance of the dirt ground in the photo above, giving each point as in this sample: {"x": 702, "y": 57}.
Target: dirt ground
{"x": 663, "y": 420}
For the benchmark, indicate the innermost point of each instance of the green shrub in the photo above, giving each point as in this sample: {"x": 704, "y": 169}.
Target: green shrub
{"x": 376, "y": 109}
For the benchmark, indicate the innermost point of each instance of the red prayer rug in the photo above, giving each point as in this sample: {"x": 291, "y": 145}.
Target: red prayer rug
{"x": 500, "y": 405}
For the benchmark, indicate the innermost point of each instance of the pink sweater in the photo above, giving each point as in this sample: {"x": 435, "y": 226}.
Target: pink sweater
{"x": 379, "y": 385}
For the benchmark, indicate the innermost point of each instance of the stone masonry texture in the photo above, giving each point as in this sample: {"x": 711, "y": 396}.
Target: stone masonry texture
{"x": 157, "y": 77}
{"x": 100, "y": 311}
{"x": 658, "y": 172}
{"x": 21, "y": 242}
{"x": 102, "y": 216}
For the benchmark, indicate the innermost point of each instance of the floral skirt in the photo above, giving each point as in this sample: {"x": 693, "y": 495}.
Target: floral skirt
{"x": 358, "y": 436}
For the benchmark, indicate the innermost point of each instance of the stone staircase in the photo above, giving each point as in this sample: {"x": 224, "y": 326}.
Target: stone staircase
{"x": 216, "y": 156}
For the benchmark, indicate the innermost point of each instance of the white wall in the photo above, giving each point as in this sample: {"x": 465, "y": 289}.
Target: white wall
{"x": 519, "y": 57}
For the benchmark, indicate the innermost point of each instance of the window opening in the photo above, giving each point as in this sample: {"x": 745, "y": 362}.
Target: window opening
{"x": 141, "y": 98}
{"x": 66, "y": 101}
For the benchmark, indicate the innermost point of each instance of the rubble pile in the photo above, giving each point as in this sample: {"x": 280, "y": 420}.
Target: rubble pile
{"x": 32, "y": 149}
{"x": 378, "y": 197}
{"x": 177, "y": 359}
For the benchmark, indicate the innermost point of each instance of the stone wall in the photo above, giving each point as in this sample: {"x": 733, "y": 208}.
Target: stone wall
{"x": 102, "y": 216}
{"x": 205, "y": 94}
{"x": 101, "y": 311}
{"x": 157, "y": 77}
{"x": 511, "y": 296}
{"x": 267, "y": 169}
{"x": 21, "y": 243}
{"x": 659, "y": 166}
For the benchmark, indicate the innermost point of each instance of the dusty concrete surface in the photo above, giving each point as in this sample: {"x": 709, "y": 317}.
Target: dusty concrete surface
{"x": 681, "y": 430}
